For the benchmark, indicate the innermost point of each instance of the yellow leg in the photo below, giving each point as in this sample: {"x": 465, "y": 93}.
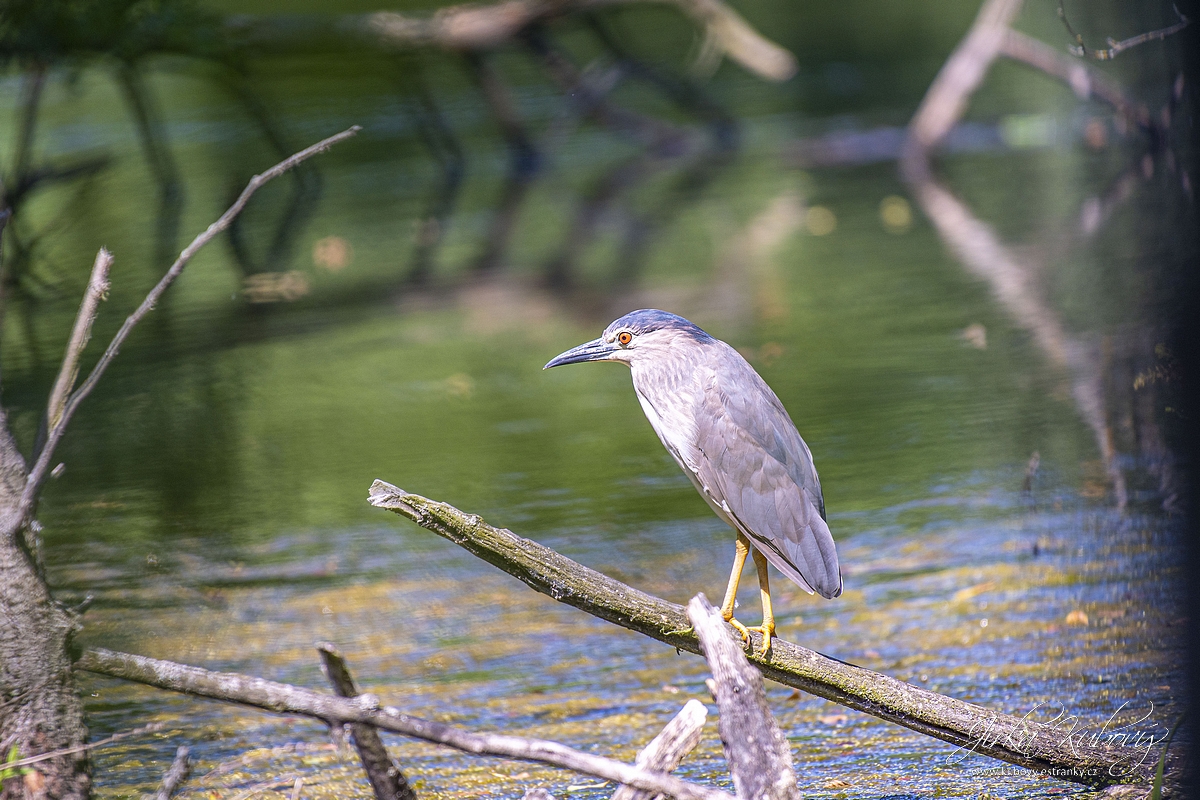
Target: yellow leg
{"x": 767, "y": 629}
{"x": 741, "y": 550}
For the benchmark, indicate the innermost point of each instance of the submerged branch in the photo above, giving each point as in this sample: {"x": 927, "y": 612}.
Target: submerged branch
{"x": 975, "y": 729}
{"x": 283, "y": 698}
{"x": 180, "y": 769}
{"x": 386, "y": 777}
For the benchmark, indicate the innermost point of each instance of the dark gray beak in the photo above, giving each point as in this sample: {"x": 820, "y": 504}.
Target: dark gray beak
{"x": 595, "y": 350}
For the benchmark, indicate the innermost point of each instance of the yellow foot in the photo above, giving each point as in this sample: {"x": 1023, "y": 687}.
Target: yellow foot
{"x": 742, "y": 629}
{"x": 768, "y": 634}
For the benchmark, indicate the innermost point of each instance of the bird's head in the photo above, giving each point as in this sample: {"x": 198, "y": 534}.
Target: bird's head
{"x": 643, "y": 334}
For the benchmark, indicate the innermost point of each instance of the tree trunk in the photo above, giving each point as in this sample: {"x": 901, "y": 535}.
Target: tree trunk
{"x": 40, "y": 710}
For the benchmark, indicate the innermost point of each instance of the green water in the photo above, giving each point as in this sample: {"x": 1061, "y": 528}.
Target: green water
{"x": 213, "y": 497}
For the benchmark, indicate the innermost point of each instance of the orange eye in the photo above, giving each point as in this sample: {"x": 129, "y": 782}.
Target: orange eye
{"x": 624, "y": 337}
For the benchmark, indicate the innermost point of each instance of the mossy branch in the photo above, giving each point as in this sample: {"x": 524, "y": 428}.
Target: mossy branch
{"x": 1063, "y": 752}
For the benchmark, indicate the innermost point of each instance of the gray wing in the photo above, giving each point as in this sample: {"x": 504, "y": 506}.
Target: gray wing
{"x": 760, "y": 468}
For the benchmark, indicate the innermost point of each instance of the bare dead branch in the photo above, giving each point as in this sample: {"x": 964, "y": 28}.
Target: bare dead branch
{"x": 97, "y": 288}
{"x": 472, "y": 27}
{"x": 180, "y": 769}
{"x": 975, "y": 729}
{"x": 960, "y": 76}
{"x": 386, "y": 777}
{"x": 37, "y": 475}
{"x": 1114, "y": 47}
{"x": 727, "y": 30}
{"x": 665, "y": 751}
{"x": 759, "y": 758}
{"x": 283, "y": 698}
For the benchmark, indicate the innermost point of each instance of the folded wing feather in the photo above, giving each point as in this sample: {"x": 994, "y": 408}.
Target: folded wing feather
{"x": 757, "y": 464}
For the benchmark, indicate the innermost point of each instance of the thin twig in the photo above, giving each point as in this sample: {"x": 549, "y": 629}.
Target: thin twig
{"x": 282, "y": 698}
{"x": 274, "y": 783}
{"x": 37, "y": 475}
{"x": 1081, "y": 50}
{"x": 1085, "y": 81}
{"x": 116, "y": 737}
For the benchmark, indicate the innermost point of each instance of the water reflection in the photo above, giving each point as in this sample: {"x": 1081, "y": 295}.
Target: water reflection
{"x": 1097, "y": 383}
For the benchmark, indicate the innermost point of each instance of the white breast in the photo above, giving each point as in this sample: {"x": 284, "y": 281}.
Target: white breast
{"x": 671, "y": 411}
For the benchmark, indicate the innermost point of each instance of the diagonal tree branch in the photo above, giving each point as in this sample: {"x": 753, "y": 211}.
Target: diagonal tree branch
{"x": 37, "y": 475}
{"x": 1017, "y": 740}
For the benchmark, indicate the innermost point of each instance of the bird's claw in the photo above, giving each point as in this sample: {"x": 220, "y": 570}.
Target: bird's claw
{"x": 742, "y": 629}
{"x": 767, "y": 631}
{"x": 768, "y": 635}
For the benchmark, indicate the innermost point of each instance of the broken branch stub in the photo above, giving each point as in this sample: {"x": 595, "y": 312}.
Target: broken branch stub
{"x": 667, "y": 750}
{"x": 760, "y": 760}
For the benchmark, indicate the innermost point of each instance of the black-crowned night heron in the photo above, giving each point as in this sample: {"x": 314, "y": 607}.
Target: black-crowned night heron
{"x": 735, "y": 441}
